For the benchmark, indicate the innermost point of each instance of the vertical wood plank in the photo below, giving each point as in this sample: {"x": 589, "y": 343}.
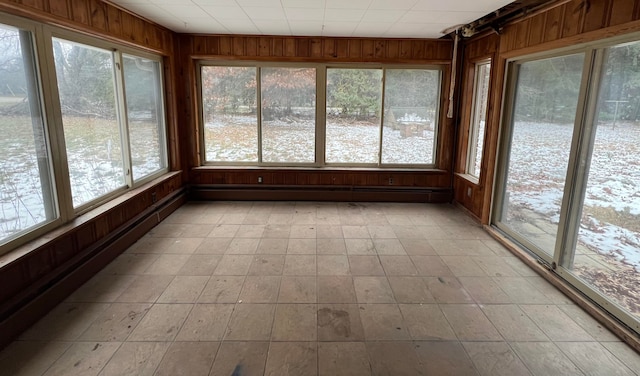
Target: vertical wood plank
{"x": 536, "y": 30}
{"x": 36, "y": 4}
{"x": 59, "y": 8}
{"x": 303, "y": 47}
{"x": 342, "y": 48}
{"x": 290, "y": 47}
{"x": 355, "y": 49}
{"x": 251, "y": 46}
{"x": 213, "y": 46}
{"x": 393, "y": 49}
{"x": 329, "y": 48}
{"x": 522, "y": 34}
{"x": 264, "y": 47}
{"x": 80, "y": 12}
{"x": 114, "y": 22}
{"x": 98, "y": 14}
{"x": 368, "y": 48}
{"x": 199, "y": 45}
{"x": 278, "y": 47}
{"x": 553, "y": 23}
{"x": 315, "y": 47}
{"x": 573, "y": 18}
{"x": 596, "y": 15}
{"x": 225, "y": 46}
{"x": 239, "y": 46}
{"x": 622, "y": 11}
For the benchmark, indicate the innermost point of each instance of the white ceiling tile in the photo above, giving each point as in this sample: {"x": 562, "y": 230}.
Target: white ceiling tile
{"x": 378, "y": 15}
{"x": 239, "y": 26}
{"x": 348, "y": 4}
{"x": 260, "y": 3}
{"x": 393, "y": 4}
{"x": 372, "y": 29}
{"x": 304, "y": 14}
{"x": 461, "y": 6}
{"x": 201, "y": 25}
{"x": 339, "y": 29}
{"x": 440, "y": 17}
{"x": 170, "y": 2}
{"x": 271, "y": 27}
{"x": 221, "y": 3}
{"x": 127, "y": 2}
{"x": 343, "y": 15}
{"x": 314, "y": 4}
{"x": 305, "y": 28}
{"x": 183, "y": 11}
{"x": 220, "y": 12}
{"x": 263, "y": 13}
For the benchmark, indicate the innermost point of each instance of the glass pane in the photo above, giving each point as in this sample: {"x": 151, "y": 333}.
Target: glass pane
{"x": 229, "y": 114}
{"x": 145, "y": 111}
{"x": 410, "y": 115}
{"x": 353, "y": 115}
{"x": 91, "y": 129}
{"x": 26, "y": 197}
{"x": 478, "y": 118}
{"x": 288, "y": 114}
{"x": 543, "y": 116}
{"x": 608, "y": 249}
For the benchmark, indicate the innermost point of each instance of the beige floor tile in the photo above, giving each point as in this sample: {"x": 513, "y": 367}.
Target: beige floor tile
{"x": 280, "y": 219}
{"x": 495, "y": 266}
{"x": 333, "y": 265}
{"x": 398, "y": 266}
{"x": 495, "y": 359}
{"x": 426, "y": 322}
{"x": 336, "y": 289}
{"x": 431, "y": 266}
{"x": 295, "y": 322}
{"x": 554, "y": 295}
{"x": 297, "y": 290}
{"x": 399, "y": 219}
{"x": 383, "y": 322}
{"x": 184, "y": 289}
{"x": 206, "y": 322}
{"x": 257, "y": 218}
{"x": 250, "y": 322}
{"x": 66, "y": 322}
{"x": 188, "y": 358}
{"x": 325, "y": 231}
{"x": 233, "y": 265}
{"x": 343, "y": 359}
{"x": 593, "y": 359}
{"x": 292, "y": 359}
{"x": 161, "y": 323}
{"x": 167, "y": 264}
{"x": 183, "y": 245}
{"x": 409, "y": 231}
{"x": 625, "y": 354}
{"x": 301, "y": 246}
{"x": 463, "y": 266}
{"x": 555, "y": 323}
{"x": 240, "y": 358}
{"x": 470, "y": 323}
{"x": 200, "y": 265}
{"x": 339, "y": 322}
{"x": 484, "y": 290}
{"x": 280, "y": 231}
{"x": 381, "y": 232}
{"x": 450, "y": 247}
{"x": 243, "y": 246}
{"x": 250, "y": 231}
{"x": 373, "y": 290}
{"x": 448, "y": 290}
{"x": 260, "y": 289}
{"x": 389, "y": 247}
{"x": 130, "y": 264}
{"x": 521, "y": 291}
{"x": 213, "y": 246}
{"x": 355, "y": 232}
{"x": 444, "y": 358}
{"x": 26, "y": 358}
{"x": 513, "y": 323}
{"x": 300, "y": 265}
{"x": 116, "y": 322}
{"x": 417, "y": 247}
{"x": 410, "y": 290}
{"x": 520, "y": 267}
{"x": 150, "y": 244}
{"x": 102, "y": 288}
{"x": 145, "y": 289}
{"x": 83, "y": 358}
{"x": 365, "y": 266}
{"x": 360, "y": 247}
{"x": 393, "y": 358}
{"x": 224, "y": 231}
{"x": 224, "y": 289}
{"x": 232, "y": 218}
{"x": 136, "y": 358}
{"x": 273, "y": 246}
{"x": 588, "y": 323}
{"x": 545, "y": 358}
{"x": 331, "y": 246}
{"x": 267, "y": 265}
{"x": 303, "y": 231}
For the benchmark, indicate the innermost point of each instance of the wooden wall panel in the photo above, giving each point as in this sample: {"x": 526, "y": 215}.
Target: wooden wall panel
{"x": 622, "y": 11}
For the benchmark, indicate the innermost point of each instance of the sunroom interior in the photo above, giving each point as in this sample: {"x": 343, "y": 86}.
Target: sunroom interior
{"x": 489, "y": 147}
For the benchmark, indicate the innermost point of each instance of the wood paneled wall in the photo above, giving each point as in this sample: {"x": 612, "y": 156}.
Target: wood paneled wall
{"x": 561, "y": 24}
{"x": 95, "y": 18}
{"x": 319, "y": 50}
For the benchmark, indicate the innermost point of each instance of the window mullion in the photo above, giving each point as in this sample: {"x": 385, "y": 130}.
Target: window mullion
{"x": 321, "y": 115}
{"x": 123, "y": 117}
{"x": 382, "y": 97}
{"x": 259, "y": 110}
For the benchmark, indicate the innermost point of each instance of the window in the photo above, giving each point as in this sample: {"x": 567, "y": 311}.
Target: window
{"x": 481, "y": 79}
{"x": 291, "y": 116}
{"x": 26, "y": 188}
{"x": 107, "y": 147}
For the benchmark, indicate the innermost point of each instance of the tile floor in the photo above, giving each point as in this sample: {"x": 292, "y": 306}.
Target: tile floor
{"x": 298, "y": 288}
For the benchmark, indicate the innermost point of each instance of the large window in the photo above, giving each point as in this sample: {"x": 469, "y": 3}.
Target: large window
{"x": 481, "y": 77}
{"x": 26, "y": 190}
{"x": 100, "y": 126}
{"x": 569, "y": 190}
{"x": 317, "y": 116}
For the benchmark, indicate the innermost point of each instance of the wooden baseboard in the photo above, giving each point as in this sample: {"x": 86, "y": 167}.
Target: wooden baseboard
{"x": 39, "y": 299}
{"x": 603, "y": 317}
{"x": 320, "y": 193}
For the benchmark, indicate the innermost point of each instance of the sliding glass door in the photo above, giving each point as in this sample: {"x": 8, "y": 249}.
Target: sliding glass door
{"x": 569, "y": 190}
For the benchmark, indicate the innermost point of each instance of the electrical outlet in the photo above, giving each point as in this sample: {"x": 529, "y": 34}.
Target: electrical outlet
{"x": 259, "y": 179}
{"x": 390, "y": 181}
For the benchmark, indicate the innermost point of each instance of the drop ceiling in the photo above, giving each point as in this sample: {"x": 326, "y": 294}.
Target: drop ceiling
{"x": 341, "y": 18}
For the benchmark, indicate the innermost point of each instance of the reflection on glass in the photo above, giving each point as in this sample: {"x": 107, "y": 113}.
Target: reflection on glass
{"x": 478, "y": 117}
{"x": 353, "y": 115}
{"x": 143, "y": 90}
{"x": 92, "y": 134}
{"x": 288, "y": 114}
{"x": 410, "y": 116}
{"x": 608, "y": 249}
{"x": 25, "y": 179}
{"x": 229, "y": 114}
{"x": 543, "y": 118}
